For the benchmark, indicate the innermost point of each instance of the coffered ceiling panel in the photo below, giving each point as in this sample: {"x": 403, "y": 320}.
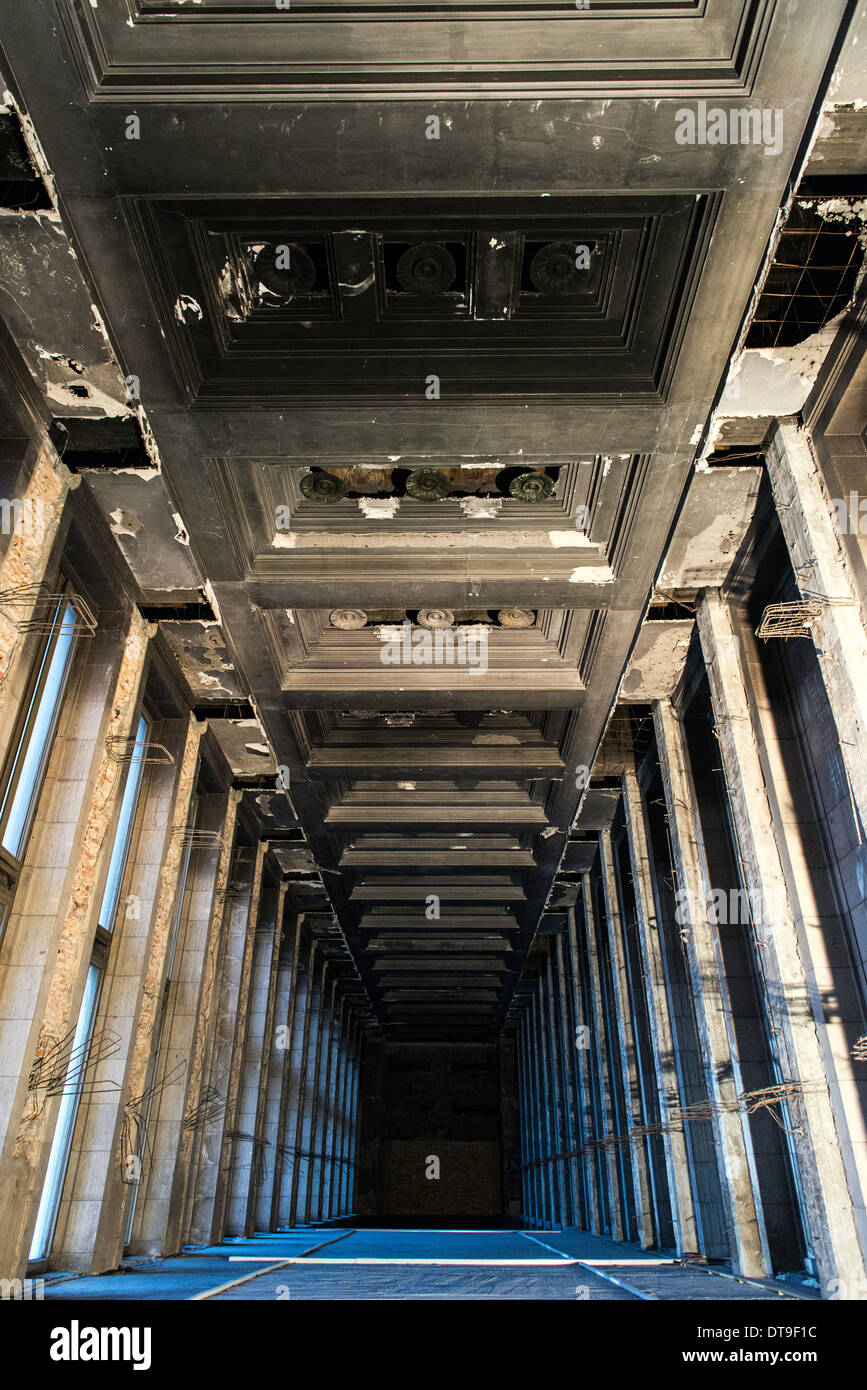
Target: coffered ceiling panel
{"x": 424, "y": 299}
{"x": 311, "y": 48}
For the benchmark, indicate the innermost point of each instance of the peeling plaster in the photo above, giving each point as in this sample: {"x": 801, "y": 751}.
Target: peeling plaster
{"x": 185, "y": 304}
{"x": 379, "y": 508}
{"x": 846, "y": 210}
{"x": 481, "y": 508}
{"x": 590, "y": 574}
{"x": 559, "y": 539}
{"x": 208, "y": 591}
{"x": 212, "y": 682}
{"x": 775, "y": 381}
{"x": 125, "y": 523}
{"x": 440, "y": 540}
{"x": 37, "y": 156}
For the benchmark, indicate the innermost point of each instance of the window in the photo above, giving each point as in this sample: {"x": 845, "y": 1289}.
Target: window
{"x": 29, "y": 760}
{"x": 52, "y": 1188}
{"x": 58, "y": 1160}
{"x": 117, "y": 863}
{"x": 156, "y": 1045}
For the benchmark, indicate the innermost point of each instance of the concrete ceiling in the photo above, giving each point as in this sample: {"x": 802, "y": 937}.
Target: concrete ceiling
{"x": 174, "y": 145}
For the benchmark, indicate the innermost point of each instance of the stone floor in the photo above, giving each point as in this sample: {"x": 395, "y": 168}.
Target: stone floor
{"x": 325, "y": 1263}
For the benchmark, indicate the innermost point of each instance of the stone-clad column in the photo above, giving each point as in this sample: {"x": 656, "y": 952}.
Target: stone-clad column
{"x": 659, "y": 1019}
{"x": 308, "y": 1167}
{"x": 131, "y": 1006}
{"x": 822, "y": 568}
{"x": 625, "y": 1049}
{"x": 712, "y": 1012}
{"x": 318, "y": 1179}
{"x": 350, "y": 1119}
{"x": 166, "y": 1122}
{"x": 354, "y": 1122}
{"x": 617, "y": 1217}
{"x": 284, "y": 1160}
{"x": 335, "y": 1096}
{"x": 529, "y": 1122}
{"x": 230, "y": 1154}
{"x": 543, "y": 1114}
{"x": 293, "y": 1098}
{"x": 796, "y": 1013}
{"x": 561, "y": 1056}
{"x": 584, "y": 1065}
{"x": 276, "y": 1053}
{"x": 25, "y": 562}
{"x": 205, "y": 1223}
{"x": 178, "y": 1229}
{"x": 261, "y": 1060}
{"x": 51, "y": 1016}
{"x": 249, "y": 1155}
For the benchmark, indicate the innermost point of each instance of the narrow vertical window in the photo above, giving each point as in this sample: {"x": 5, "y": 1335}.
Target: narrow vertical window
{"x": 26, "y": 770}
{"x": 52, "y": 1188}
{"x": 117, "y": 863}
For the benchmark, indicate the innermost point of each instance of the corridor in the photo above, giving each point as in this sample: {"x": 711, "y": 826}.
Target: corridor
{"x": 433, "y": 657}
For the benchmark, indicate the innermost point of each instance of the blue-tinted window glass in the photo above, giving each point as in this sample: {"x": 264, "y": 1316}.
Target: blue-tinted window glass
{"x": 117, "y": 863}
{"x": 31, "y": 759}
{"x": 58, "y": 1159}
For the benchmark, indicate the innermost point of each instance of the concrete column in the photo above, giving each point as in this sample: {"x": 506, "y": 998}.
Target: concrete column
{"x": 27, "y": 561}
{"x": 333, "y": 1091}
{"x": 318, "y": 1144}
{"x": 659, "y": 1020}
{"x": 533, "y": 1158}
{"x": 542, "y": 1115}
{"x": 350, "y": 1119}
{"x": 41, "y": 994}
{"x": 313, "y": 1101}
{"x": 249, "y": 1156}
{"x": 306, "y": 1098}
{"x": 547, "y": 1114}
{"x": 835, "y": 1214}
{"x": 566, "y": 1048}
{"x": 236, "y": 1152}
{"x": 560, "y": 1127}
{"x": 353, "y": 1125}
{"x": 166, "y": 1125}
{"x": 207, "y": 1215}
{"x": 583, "y": 1041}
{"x": 202, "y": 974}
{"x": 616, "y": 1218}
{"x": 109, "y": 1133}
{"x": 712, "y": 1012}
{"x": 284, "y": 1161}
{"x": 276, "y": 1039}
{"x": 625, "y": 1048}
{"x": 262, "y": 1059}
{"x": 294, "y": 1091}
{"x": 348, "y": 1193}
{"x": 341, "y": 1142}
{"x": 822, "y": 568}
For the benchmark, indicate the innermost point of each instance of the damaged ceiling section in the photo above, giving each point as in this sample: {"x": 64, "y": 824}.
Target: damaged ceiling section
{"x": 97, "y": 422}
{"x": 420, "y": 472}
